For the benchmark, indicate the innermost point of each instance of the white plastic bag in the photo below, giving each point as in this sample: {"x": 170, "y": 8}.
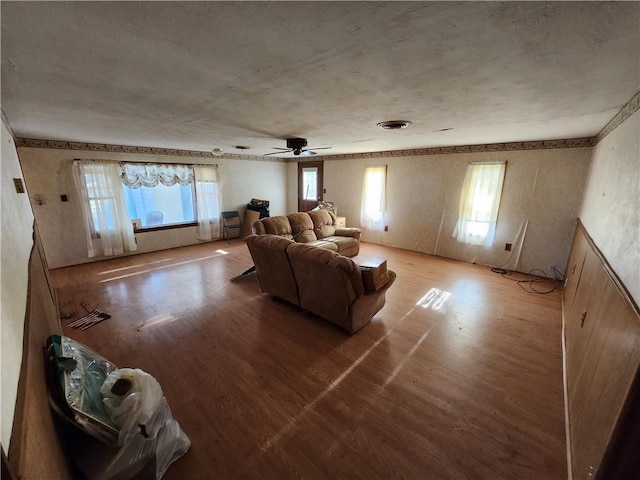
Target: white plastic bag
{"x": 149, "y": 435}
{"x": 137, "y": 406}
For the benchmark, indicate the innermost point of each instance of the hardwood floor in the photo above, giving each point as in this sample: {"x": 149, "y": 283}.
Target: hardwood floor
{"x": 458, "y": 377}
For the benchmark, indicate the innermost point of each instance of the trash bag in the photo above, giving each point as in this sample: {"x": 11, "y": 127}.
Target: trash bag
{"x": 131, "y": 398}
{"x": 150, "y": 438}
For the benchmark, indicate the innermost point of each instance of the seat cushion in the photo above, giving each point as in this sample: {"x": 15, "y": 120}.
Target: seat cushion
{"x": 347, "y": 246}
{"x": 322, "y": 244}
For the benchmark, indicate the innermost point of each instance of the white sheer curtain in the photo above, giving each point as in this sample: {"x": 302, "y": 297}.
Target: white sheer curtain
{"x": 208, "y": 201}
{"x": 479, "y": 203}
{"x": 373, "y": 198}
{"x": 108, "y": 226}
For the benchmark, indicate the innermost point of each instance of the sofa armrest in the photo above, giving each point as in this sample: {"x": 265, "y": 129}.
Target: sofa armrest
{"x": 257, "y": 228}
{"x": 349, "y": 232}
{"x": 391, "y": 277}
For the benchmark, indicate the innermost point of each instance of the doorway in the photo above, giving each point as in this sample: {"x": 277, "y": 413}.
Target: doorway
{"x": 310, "y": 187}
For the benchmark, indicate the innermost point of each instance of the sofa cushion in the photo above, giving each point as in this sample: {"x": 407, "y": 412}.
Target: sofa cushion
{"x": 324, "y": 287}
{"x": 323, "y": 222}
{"x": 347, "y": 246}
{"x": 301, "y": 227}
{"x": 277, "y": 226}
{"x": 269, "y": 253}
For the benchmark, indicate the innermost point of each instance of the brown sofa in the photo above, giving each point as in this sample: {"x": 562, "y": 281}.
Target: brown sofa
{"x": 316, "y": 228}
{"x": 315, "y": 279}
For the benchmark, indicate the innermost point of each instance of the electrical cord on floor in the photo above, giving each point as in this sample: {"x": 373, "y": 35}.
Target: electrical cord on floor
{"x": 552, "y": 284}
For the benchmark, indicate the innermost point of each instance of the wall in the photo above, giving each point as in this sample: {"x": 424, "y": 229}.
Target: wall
{"x": 48, "y": 173}
{"x": 542, "y": 187}
{"x": 611, "y": 207}
{"x": 422, "y": 201}
{"x": 16, "y": 242}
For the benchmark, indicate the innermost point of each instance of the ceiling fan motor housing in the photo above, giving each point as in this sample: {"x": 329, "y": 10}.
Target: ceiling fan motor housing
{"x": 296, "y": 143}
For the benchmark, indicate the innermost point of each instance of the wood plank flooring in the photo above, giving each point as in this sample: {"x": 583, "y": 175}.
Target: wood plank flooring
{"x": 458, "y": 377}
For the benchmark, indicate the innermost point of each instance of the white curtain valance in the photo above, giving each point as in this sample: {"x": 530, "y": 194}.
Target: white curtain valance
{"x": 136, "y": 175}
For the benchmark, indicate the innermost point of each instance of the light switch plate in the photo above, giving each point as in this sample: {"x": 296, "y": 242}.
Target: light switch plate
{"x": 19, "y": 185}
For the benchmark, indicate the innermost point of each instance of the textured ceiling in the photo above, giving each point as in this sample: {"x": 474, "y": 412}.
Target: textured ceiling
{"x": 218, "y": 74}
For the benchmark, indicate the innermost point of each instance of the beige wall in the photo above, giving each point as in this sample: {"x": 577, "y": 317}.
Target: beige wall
{"x": 542, "y": 187}
{"x": 543, "y": 190}
{"x": 48, "y": 173}
{"x": 611, "y": 208}
{"x": 16, "y": 241}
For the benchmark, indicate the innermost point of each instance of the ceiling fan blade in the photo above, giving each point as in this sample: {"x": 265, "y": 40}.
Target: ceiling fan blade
{"x": 318, "y": 148}
{"x": 307, "y": 153}
{"x": 277, "y": 153}
{"x": 280, "y": 148}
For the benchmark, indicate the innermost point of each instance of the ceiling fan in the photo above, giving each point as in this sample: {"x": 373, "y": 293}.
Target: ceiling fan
{"x": 297, "y": 147}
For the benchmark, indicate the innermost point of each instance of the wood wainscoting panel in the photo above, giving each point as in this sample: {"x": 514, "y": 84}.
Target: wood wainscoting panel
{"x": 35, "y": 451}
{"x": 603, "y": 357}
{"x": 573, "y": 271}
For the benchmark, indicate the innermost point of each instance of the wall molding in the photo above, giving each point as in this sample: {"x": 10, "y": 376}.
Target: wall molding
{"x": 491, "y": 147}
{"x": 629, "y": 109}
{"x": 103, "y": 147}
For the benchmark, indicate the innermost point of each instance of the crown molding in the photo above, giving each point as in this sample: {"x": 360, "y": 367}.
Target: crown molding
{"x": 629, "y": 109}
{"x": 102, "y": 147}
{"x": 491, "y": 147}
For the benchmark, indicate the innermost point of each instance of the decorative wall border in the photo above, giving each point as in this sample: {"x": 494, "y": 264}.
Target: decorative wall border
{"x": 491, "y": 147}
{"x": 102, "y": 147}
{"x": 628, "y": 110}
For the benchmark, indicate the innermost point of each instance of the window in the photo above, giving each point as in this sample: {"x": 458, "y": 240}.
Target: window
{"x": 309, "y": 183}
{"x": 107, "y": 223}
{"x": 149, "y": 194}
{"x": 479, "y": 203}
{"x": 160, "y": 205}
{"x": 373, "y": 198}
{"x": 159, "y": 194}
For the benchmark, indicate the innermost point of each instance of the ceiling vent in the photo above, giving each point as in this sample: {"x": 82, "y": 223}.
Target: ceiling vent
{"x": 394, "y": 124}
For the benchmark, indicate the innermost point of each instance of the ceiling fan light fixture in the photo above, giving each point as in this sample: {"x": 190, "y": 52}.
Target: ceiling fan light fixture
{"x": 394, "y": 124}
